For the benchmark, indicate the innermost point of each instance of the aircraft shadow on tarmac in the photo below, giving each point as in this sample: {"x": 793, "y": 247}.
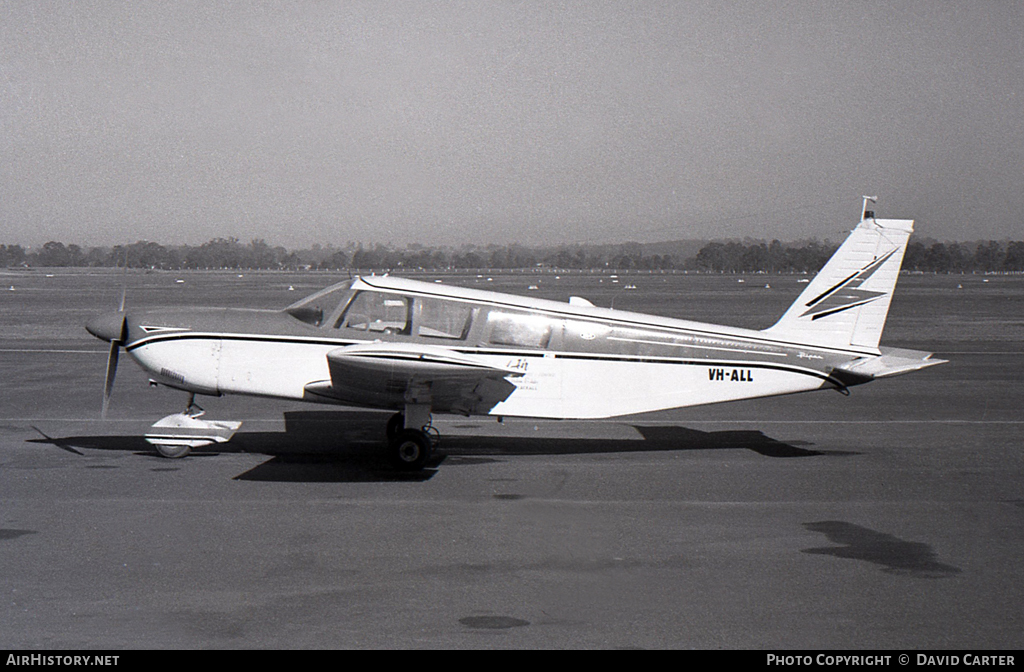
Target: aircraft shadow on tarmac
{"x": 347, "y": 446}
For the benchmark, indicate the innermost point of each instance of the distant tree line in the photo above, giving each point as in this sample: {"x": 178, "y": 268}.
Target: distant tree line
{"x": 230, "y": 253}
{"x": 987, "y": 257}
{"x": 715, "y": 257}
{"x": 734, "y": 257}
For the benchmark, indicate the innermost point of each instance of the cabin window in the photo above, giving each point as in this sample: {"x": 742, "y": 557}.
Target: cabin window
{"x": 530, "y": 331}
{"x": 442, "y": 319}
{"x": 377, "y": 312}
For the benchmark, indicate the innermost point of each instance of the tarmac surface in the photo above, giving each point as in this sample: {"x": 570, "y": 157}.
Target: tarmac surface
{"x": 891, "y": 519}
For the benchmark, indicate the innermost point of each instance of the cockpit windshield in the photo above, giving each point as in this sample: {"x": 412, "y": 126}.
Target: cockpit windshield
{"x": 314, "y": 308}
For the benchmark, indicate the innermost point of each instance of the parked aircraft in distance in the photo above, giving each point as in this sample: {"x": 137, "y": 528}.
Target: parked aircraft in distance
{"x": 422, "y": 348}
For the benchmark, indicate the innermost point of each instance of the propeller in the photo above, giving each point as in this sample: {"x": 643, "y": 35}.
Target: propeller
{"x": 108, "y": 385}
{"x": 113, "y": 328}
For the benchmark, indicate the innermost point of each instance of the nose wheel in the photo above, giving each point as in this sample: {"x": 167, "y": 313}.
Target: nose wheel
{"x": 176, "y": 435}
{"x": 173, "y": 451}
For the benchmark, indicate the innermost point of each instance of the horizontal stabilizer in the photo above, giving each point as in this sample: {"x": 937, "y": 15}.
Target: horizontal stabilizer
{"x": 892, "y": 362}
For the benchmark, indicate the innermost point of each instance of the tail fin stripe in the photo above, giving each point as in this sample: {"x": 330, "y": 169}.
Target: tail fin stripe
{"x": 832, "y": 290}
{"x": 862, "y": 275}
{"x": 842, "y": 308}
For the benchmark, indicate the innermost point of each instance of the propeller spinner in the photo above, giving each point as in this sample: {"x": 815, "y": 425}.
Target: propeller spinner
{"x": 108, "y": 327}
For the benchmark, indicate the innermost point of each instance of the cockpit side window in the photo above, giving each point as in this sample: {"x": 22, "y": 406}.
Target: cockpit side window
{"x": 377, "y": 312}
{"x": 437, "y": 318}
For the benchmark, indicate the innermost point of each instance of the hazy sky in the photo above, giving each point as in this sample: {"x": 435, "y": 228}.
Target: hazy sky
{"x": 531, "y": 122}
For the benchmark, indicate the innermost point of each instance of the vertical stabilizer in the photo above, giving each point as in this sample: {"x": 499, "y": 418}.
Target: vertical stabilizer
{"x": 845, "y": 305}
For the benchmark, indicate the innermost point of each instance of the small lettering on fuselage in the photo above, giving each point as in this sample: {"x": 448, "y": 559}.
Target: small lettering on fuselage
{"x": 518, "y": 364}
{"x": 731, "y": 375}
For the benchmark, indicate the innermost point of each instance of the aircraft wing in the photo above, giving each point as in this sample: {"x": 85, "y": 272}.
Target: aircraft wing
{"x": 393, "y": 374}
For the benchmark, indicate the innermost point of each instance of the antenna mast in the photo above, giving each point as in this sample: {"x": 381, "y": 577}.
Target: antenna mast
{"x": 865, "y": 213}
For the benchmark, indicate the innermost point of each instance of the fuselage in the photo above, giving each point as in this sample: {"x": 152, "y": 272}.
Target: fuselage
{"x": 571, "y": 360}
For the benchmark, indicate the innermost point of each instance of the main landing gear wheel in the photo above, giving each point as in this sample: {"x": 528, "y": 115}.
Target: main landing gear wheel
{"x": 395, "y": 424}
{"x": 410, "y": 449}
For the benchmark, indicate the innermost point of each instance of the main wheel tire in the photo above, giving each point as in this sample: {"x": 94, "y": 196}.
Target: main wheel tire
{"x": 173, "y": 452}
{"x": 411, "y": 449}
{"x": 396, "y": 423}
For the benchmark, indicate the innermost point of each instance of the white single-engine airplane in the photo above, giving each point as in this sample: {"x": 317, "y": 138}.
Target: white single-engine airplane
{"x": 422, "y": 348}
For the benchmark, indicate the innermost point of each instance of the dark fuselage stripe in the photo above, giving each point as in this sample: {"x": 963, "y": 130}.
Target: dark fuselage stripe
{"x": 636, "y": 359}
